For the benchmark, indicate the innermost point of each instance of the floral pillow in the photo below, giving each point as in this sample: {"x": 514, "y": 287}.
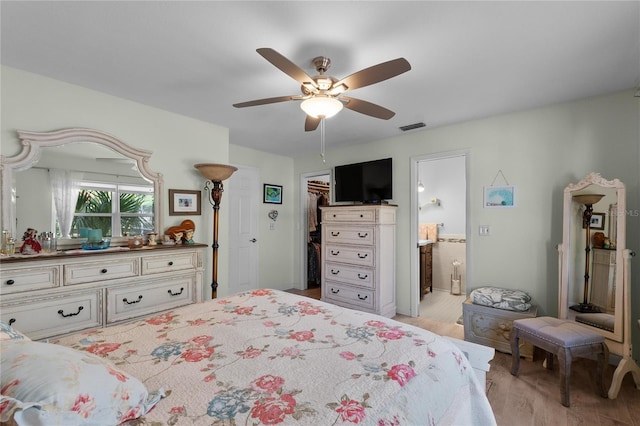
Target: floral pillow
{"x": 48, "y": 384}
{"x": 9, "y": 333}
{"x": 501, "y": 298}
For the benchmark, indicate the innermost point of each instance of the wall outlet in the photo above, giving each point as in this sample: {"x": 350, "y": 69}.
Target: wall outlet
{"x": 272, "y": 226}
{"x": 484, "y": 230}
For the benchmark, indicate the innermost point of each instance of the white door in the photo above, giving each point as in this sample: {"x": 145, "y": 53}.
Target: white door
{"x": 244, "y": 199}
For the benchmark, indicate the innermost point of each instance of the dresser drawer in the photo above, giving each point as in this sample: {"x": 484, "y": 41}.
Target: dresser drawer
{"x": 348, "y": 295}
{"x": 168, "y": 263}
{"x": 46, "y": 317}
{"x": 348, "y": 215}
{"x": 349, "y": 254}
{"x": 360, "y": 235}
{"x": 359, "y": 276}
{"x": 28, "y": 279}
{"x": 127, "y": 302}
{"x": 102, "y": 270}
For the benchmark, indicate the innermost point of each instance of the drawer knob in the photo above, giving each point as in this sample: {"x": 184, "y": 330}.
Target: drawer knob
{"x": 10, "y": 282}
{"x": 171, "y": 263}
{"x": 175, "y": 294}
{"x": 362, "y": 298}
{"x": 362, "y": 277}
{"x": 335, "y": 291}
{"x": 334, "y": 272}
{"x": 12, "y": 321}
{"x": 335, "y": 253}
{"x": 61, "y": 312}
{"x": 335, "y": 234}
{"x": 133, "y": 301}
{"x": 334, "y": 215}
{"x": 363, "y": 256}
{"x": 361, "y": 235}
{"x": 104, "y": 271}
{"x": 361, "y": 216}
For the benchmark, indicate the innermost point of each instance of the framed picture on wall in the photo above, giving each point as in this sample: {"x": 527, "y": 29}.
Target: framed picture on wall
{"x": 184, "y": 202}
{"x": 499, "y": 197}
{"x": 272, "y": 194}
{"x": 597, "y": 221}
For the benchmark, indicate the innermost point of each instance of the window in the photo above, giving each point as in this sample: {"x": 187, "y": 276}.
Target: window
{"x": 117, "y": 209}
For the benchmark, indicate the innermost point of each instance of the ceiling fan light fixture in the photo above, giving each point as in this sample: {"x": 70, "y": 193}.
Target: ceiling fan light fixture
{"x": 321, "y": 106}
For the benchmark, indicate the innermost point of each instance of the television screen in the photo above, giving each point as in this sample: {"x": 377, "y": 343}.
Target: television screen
{"x": 368, "y": 182}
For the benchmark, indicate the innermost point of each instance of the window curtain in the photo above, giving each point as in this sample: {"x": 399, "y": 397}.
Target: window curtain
{"x": 65, "y": 188}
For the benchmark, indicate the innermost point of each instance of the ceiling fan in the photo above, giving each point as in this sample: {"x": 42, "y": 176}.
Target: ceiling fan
{"x": 323, "y": 95}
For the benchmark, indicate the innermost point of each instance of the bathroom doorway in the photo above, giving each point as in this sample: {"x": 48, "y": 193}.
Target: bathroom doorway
{"x": 440, "y": 221}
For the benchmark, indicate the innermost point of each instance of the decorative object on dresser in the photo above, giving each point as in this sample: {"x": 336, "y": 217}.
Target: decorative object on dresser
{"x": 184, "y": 202}
{"x": 358, "y": 257}
{"x": 215, "y": 174}
{"x": 51, "y": 295}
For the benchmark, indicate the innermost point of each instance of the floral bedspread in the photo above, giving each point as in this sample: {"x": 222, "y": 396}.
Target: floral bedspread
{"x": 270, "y": 357}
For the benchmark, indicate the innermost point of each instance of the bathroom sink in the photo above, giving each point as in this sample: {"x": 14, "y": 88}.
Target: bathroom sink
{"x": 424, "y": 242}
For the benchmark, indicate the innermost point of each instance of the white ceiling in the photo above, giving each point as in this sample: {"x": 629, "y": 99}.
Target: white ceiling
{"x": 469, "y": 59}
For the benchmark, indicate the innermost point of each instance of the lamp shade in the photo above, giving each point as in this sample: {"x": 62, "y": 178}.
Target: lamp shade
{"x": 215, "y": 172}
{"x": 588, "y": 199}
{"x": 321, "y": 106}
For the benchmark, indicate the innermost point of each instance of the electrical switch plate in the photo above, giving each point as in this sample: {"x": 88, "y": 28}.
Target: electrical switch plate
{"x": 484, "y": 230}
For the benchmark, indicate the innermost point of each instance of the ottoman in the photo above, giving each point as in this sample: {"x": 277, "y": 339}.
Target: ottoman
{"x": 566, "y": 340}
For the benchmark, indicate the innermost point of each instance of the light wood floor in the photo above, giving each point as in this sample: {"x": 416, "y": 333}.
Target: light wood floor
{"x": 533, "y": 398}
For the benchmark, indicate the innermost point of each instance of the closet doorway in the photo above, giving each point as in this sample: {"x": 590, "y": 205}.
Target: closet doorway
{"x": 315, "y": 192}
{"x": 440, "y": 207}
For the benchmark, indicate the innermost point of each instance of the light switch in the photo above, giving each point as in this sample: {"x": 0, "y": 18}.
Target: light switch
{"x": 484, "y": 230}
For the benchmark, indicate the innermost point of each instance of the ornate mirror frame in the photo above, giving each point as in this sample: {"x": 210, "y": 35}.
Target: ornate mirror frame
{"x": 618, "y": 341}
{"x": 34, "y": 142}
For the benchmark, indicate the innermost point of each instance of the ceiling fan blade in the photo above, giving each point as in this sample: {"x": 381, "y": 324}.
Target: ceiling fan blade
{"x": 311, "y": 123}
{"x": 265, "y": 101}
{"x": 367, "y": 108}
{"x": 375, "y": 74}
{"x": 286, "y": 66}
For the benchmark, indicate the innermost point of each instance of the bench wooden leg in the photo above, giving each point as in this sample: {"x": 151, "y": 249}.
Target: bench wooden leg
{"x": 564, "y": 359}
{"x": 603, "y": 360}
{"x": 515, "y": 352}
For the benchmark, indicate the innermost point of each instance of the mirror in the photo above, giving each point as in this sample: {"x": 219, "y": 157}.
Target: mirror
{"x": 84, "y": 154}
{"x": 592, "y": 275}
{"x": 594, "y": 271}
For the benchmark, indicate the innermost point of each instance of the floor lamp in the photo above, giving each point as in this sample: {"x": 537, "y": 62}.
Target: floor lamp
{"x": 588, "y": 200}
{"x": 215, "y": 174}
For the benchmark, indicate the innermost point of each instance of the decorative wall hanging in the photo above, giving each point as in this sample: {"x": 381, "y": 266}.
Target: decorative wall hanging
{"x": 272, "y": 194}
{"x": 498, "y": 197}
{"x": 184, "y": 202}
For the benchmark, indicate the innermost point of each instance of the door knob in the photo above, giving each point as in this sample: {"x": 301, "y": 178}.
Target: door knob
{"x": 253, "y": 240}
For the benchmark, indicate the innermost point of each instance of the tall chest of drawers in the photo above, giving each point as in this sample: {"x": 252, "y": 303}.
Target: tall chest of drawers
{"x": 51, "y": 295}
{"x": 358, "y": 257}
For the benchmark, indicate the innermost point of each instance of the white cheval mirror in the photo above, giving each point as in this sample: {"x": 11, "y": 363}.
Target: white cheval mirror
{"x": 594, "y": 268}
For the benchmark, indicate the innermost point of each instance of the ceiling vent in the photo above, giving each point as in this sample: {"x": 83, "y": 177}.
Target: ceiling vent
{"x": 412, "y": 126}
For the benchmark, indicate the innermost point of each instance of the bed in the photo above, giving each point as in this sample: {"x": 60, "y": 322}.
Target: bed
{"x": 260, "y": 357}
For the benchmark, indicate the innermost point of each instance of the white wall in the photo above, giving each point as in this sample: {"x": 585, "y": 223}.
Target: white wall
{"x": 540, "y": 151}
{"x": 36, "y": 103}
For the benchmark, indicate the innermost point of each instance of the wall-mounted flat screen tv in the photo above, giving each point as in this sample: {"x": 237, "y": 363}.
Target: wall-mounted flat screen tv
{"x": 367, "y": 182}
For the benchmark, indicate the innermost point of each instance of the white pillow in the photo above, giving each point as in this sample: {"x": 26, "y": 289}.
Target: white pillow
{"x": 501, "y": 298}
{"x": 48, "y": 384}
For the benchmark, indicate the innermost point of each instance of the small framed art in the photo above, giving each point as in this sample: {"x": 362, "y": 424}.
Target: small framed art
{"x": 499, "y": 197}
{"x": 272, "y": 194}
{"x": 184, "y": 202}
{"x": 597, "y": 221}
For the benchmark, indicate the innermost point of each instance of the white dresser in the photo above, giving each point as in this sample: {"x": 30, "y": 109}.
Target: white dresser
{"x": 359, "y": 257}
{"x": 51, "y": 295}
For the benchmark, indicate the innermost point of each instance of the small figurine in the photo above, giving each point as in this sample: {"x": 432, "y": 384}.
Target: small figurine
{"x": 30, "y": 244}
{"x": 177, "y": 235}
{"x": 188, "y": 236}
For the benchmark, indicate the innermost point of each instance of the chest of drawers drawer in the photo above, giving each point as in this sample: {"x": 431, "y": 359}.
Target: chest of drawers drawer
{"x": 348, "y": 215}
{"x": 360, "y": 276}
{"x": 126, "y": 302}
{"x": 168, "y": 263}
{"x": 362, "y": 256}
{"x": 358, "y": 235}
{"x": 28, "y": 279}
{"x": 80, "y": 273}
{"x": 349, "y": 295}
{"x": 51, "y": 316}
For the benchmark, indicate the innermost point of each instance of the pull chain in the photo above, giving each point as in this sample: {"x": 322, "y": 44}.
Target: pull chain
{"x": 322, "y": 136}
